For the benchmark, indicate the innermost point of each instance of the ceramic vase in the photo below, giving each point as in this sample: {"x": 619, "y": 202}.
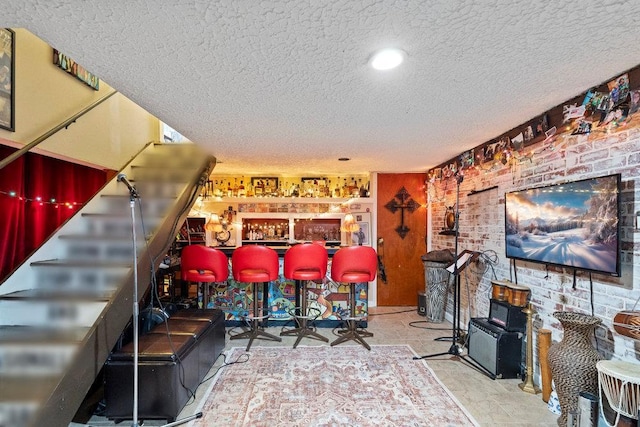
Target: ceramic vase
{"x": 573, "y": 361}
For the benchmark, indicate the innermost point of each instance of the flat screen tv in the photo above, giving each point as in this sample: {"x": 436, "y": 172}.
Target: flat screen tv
{"x": 575, "y": 224}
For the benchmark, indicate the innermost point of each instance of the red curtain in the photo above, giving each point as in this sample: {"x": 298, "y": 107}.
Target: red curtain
{"x": 37, "y": 195}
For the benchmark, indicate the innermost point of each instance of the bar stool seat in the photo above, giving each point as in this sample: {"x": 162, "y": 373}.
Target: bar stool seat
{"x": 352, "y": 265}
{"x": 255, "y": 264}
{"x": 203, "y": 265}
{"x": 302, "y": 263}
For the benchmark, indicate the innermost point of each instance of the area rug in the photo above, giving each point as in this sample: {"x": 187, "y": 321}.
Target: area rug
{"x": 329, "y": 386}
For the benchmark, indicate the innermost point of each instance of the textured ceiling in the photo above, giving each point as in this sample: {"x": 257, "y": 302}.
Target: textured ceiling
{"x": 283, "y": 87}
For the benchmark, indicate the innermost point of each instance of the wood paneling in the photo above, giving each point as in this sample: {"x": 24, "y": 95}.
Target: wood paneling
{"x": 401, "y": 257}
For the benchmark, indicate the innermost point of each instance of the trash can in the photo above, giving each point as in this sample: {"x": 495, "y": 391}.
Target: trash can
{"x": 437, "y": 280}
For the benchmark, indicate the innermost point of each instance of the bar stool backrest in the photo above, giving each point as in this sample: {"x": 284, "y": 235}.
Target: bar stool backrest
{"x": 305, "y": 259}
{"x": 254, "y": 257}
{"x": 200, "y": 263}
{"x": 354, "y": 264}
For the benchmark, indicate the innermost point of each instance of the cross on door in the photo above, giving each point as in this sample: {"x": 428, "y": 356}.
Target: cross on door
{"x": 406, "y": 202}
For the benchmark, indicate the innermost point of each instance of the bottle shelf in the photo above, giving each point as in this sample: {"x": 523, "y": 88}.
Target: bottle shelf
{"x": 286, "y": 199}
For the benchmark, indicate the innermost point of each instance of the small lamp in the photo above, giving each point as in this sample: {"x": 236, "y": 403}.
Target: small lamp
{"x": 349, "y": 225}
{"x": 213, "y": 224}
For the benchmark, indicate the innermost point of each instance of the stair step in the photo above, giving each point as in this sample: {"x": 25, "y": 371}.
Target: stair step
{"x": 20, "y": 398}
{"x": 29, "y": 334}
{"x": 80, "y": 263}
{"x": 95, "y": 237}
{"x": 154, "y": 206}
{"x": 71, "y": 295}
{"x": 36, "y": 359}
{"x": 62, "y": 313}
{"x": 117, "y": 223}
{"x": 126, "y": 196}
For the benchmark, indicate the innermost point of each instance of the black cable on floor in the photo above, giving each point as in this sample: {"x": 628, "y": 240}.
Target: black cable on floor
{"x": 243, "y": 358}
{"x": 394, "y": 312}
{"x": 413, "y": 325}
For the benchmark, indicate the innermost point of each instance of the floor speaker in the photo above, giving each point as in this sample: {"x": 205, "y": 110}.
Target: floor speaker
{"x": 422, "y": 304}
{"x": 496, "y": 350}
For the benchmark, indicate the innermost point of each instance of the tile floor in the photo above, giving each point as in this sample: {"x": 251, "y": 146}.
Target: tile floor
{"x": 495, "y": 403}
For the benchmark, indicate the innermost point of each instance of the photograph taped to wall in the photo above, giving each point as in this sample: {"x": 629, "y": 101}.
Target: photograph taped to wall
{"x": 618, "y": 90}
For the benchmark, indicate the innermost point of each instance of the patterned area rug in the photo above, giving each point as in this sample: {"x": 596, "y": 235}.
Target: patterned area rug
{"x": 330, "y": 386}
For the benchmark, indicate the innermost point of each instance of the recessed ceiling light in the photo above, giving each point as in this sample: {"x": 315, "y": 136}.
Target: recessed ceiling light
{"x": 386, "y": 59}
{"x": 344, "y": 159}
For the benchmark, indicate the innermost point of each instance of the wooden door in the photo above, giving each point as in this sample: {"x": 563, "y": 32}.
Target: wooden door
{"x": 401, "y": 256}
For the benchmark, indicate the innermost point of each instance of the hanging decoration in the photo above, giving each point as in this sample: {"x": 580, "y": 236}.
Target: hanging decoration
{"x": 406, "y": 202}
{"x": 41, "y": 201}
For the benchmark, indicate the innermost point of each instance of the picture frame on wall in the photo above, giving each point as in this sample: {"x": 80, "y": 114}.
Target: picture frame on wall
{"x": 362, "y": 237}
{"x": 7, "y": 79}
{"x": 263, "y": 185}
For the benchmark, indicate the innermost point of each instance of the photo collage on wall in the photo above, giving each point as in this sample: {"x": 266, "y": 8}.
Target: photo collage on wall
{"x": 603, "y": 111}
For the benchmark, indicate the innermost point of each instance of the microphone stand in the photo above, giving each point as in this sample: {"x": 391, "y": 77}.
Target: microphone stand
{"x": 455, "y": 349}
{"x": 133, "y": 195}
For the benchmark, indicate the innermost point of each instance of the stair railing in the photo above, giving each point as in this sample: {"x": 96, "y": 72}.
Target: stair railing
{"x": 17, "y": 154}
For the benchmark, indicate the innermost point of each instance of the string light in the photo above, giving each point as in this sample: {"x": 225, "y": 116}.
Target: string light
{"x": 39, "y": 201}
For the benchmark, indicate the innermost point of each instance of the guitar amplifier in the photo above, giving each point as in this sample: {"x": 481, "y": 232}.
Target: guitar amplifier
{"x": 507, "y": 316}
{"x": 496, "y": 350}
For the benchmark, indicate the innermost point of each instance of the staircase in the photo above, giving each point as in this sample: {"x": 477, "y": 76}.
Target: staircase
{"x": 64, "y": 309}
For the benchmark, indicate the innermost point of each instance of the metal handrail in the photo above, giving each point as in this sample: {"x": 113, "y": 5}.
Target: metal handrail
{"x": 52, "y": 131}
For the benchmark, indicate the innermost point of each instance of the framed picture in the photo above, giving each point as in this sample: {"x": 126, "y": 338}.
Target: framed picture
{"x": 7, "y": 78}
{"x": 362, "y": 237}
{"x": 264, "y": 185}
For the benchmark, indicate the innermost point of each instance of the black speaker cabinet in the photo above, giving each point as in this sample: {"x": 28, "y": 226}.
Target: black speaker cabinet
{"x": 496, "y": 350}
{"x": 507, "y": 316}
{"x": 422, "y": 304}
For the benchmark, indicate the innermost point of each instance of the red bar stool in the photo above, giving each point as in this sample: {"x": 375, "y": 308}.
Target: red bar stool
{"x": 204, "y": 265}
{"x": 354, "y": 264}
{"x": 255, "y": 264}
{"x": 304, "y": 262}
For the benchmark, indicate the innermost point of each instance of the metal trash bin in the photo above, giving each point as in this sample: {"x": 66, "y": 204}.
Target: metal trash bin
{"x": 437, "y": 280}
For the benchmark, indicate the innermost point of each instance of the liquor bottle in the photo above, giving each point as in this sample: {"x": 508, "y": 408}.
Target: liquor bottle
{"x": 241, "y": 190}
{"x": 336, "y": 191}
{"x": 345, "y": 189}
{"x": 235, "y": 187}
{"x": 229, "y": 189}
{"x": 362, "y": 190}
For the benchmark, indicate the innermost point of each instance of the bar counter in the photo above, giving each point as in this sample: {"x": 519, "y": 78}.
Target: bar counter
{"x": 329, "y": 300}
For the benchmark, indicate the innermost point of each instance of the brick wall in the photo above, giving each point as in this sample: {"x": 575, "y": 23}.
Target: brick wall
{"x": 567, "y": 158}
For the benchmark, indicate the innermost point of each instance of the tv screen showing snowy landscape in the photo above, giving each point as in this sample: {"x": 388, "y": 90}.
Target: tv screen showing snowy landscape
{"x": 574, "y": 224}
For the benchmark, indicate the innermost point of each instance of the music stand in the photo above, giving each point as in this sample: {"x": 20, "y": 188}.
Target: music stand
{"x": 459, "y": 264}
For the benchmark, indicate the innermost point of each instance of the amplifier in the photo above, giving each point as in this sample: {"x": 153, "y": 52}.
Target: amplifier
{"x": 496, "y": 350}
{"x": 507, "y": 316}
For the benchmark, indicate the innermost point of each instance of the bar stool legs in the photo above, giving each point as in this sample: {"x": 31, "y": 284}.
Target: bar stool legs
{"x": 352, "y": 332}
{"x": 303, "y": 329}
{"x": 255, "y": 328}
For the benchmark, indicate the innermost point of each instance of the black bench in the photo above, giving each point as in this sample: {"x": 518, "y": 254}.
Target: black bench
{"x": 173, "y": 358}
